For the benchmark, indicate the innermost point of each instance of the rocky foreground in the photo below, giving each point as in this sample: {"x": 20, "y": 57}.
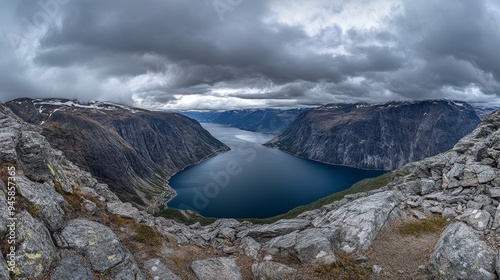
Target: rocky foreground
{"x": 71, "y": 227}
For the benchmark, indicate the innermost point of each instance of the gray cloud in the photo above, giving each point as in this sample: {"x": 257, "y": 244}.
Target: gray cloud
{"x": 169, "y": 53}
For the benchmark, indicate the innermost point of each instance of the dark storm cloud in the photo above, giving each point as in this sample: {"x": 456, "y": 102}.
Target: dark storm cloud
{"x": 189, "y": 35}
{"x": 158, "y": 51}
{"x": 451, "y": 43}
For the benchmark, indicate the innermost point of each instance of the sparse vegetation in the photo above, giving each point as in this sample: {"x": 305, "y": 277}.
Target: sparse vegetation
{"x": 4, "y": 173}
{"x": 133, "y": 233}
{"x": 345, "y": 268}
{"x": 431, "y": 225}
{"x": 75, "y": 199}
{"x": 147, "y": 235}
{"x": 71, "y": 199}
{"x": 122, "y": 221}
{"x": 33, "y": 210}
{"x": 361, "y": 186}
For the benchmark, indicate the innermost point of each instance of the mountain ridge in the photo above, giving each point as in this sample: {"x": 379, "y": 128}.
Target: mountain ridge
{"x": 377, "y": 136}
{"x": 132, "y": 150}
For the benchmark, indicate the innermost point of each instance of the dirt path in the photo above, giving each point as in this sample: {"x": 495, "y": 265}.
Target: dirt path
{"x": 401, "y": 256}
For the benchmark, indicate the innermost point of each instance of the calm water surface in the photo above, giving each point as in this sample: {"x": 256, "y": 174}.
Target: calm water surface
{"x": 252, "y": 181}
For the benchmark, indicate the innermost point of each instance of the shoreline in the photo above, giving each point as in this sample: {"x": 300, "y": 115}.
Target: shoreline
{"x": 333, "y": 164}
{"x": 161, "y": 199}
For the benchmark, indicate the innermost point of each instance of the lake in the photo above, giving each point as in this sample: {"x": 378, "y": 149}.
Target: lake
{"x": 253, "y": 181}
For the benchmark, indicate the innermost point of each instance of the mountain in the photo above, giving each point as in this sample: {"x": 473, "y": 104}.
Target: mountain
{"x": 483, "y": 111}
{"x": 132, "y": 150}
{"x": 377, "y": 136}
{"x": 63, "y": 224}
{"x": 259, "y": 120}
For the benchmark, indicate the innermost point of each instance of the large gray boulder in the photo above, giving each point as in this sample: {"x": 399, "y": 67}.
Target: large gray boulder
{"x": 250, "y": 247}
{"x": 158, "y": 271}
{"x": 358, "y": 222}
{"x": 313, "y": 246}
{"x": 460, "y": 254}
{"x": 282, "y": 245}
{"x": 96, "y": 241}
{"x": 35, "y": 250}
{"x": 217, "y": 269}
{"x": 72, "y": 268}
{"x": 128, "y": 269}
{"x": 273, "y": 271}
{"x": 9, "y": 134}
{"x": 33, "y": 154}
{"x": 281, "y": 227}
{"x": 478, "y": 219}
{"x": 125, "y": 210}
{"x": 47, "y": 203}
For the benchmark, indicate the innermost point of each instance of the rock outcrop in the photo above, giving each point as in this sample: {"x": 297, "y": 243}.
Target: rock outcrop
{"x": 273, "y": 270}
{"x": 36, "y": 252}
{"x": 377, "y": 136}
{"x": 43, "y": 208}
{"x": 133, "y": 151}
{"x": 217, "y": 269}
{"x": 159, "y": 271}
{"x": 95, "y": 241}
{"x": 460, "y": 254}
{"x": 72, "y": 268}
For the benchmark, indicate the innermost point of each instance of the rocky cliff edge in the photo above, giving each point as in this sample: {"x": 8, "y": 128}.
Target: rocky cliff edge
{"x": 68, "y": 224}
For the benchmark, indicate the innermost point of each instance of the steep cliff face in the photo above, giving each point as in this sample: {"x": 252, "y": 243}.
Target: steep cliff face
{"x": 132, "y": 150}
{"x": 260, "y": 120}
{"x": 52, "y": 213}
{"x": 377, "y": 136}
{"x": 69, "y": 226}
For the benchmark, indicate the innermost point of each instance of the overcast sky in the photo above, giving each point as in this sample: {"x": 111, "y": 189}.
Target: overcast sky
{"x": 225, "y": 54}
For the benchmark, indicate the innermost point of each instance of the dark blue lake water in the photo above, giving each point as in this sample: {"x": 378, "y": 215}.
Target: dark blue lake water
{"x": 252, "y": 181}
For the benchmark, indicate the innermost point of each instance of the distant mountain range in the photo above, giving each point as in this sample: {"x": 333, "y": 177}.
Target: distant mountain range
{"x": 132, "y": 150}
{"x": 377, "y": 136}
{"x": 483, "y": 111}
{"x": 259, "y": 120}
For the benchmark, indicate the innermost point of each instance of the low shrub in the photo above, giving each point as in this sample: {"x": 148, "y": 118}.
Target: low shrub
{"x": 345, "y": 268}
{"x": 430, "y": 225}
{"x": 147, "y": 235}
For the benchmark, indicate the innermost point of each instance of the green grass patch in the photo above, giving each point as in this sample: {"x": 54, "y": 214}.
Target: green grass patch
{"x": 419, "y": 227}
{"x": 365, "y": 185}
{"x": 345, "y": 268}
{"x": 147, "y": 235}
